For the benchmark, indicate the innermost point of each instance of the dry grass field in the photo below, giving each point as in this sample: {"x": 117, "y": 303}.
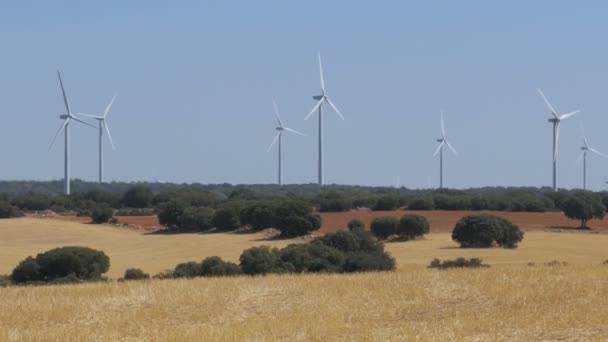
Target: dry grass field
{"x": 509, "y": 301}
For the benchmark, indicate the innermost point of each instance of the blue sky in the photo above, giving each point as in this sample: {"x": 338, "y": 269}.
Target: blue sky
{"x": 195, "y": 81}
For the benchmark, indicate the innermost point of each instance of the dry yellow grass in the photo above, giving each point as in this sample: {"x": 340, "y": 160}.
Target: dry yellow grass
{"x": 507, "y": 302}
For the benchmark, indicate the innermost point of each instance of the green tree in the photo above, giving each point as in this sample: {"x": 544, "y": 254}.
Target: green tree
{"x": 383, "y": 227}
{"x": 138, "y": 196}
{"x": 584, "y": 206}
{"x": 412, "y": 226}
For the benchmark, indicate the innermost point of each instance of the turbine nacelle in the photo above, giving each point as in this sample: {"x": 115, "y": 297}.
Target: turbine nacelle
{"x": 553, "y": 120}
{"x": 318, "y": 97}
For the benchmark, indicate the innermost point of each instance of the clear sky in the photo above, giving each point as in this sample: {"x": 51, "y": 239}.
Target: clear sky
{"x": 195, "y": 81}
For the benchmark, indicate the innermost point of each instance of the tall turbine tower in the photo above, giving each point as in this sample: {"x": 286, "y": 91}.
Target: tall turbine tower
{"x": 101, "y": 119}
{"x": 585, "y": 148}
{"x": 322, "y": 98}
{"x": 555, "y": 120}
{"x": 65, "y": 126}
{"x": 280, "y": 129}
{"x": 443, "y": 141}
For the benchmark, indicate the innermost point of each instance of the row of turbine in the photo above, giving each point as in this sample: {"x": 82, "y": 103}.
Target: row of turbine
{"x": 65, "y": 127}
{"x": 443, "y": 142}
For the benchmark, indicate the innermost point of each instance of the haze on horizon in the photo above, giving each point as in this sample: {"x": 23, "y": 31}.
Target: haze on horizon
{"x": 195, "y": 82}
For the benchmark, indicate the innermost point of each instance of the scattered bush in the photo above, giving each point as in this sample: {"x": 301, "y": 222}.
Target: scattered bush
{"x": 457, "y": 263}
{"x": 170, "y": 213}
{"x": 584, "y": 206}
{"x": 259, "y": 215}
{"x": 295, "y": 218}
{"x": 386, "y": 203}
{"x": 166, "y": 274}
{"x": 102, "y": 214}
{"x": 80, "y": 262}
{"x": 355, "y": 225}
{"x": 215, "y": 266}
{"x": 261, "y": 260}
{"x": 138, "y": 196}
{"x": 7, "y": 210}
{"x": 412, "y": 226}
{"x": 196, "y": 218}
{"x": 189, "y": 269}
{"x": 226, "y": 219}
{"x": 5, "y": 280}
{"x": 135, "y": 274}
{"x": 421, "y": 203}
{"x": 383, "y": 227}
{"x": 478, "y": 231}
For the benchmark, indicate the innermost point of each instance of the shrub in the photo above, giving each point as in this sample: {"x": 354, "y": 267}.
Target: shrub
{"x": 189, "y": 269}
{"x": 412, "y": 226}
{"x": 138, "y": 196}
{"x": 421, "y": 203}
{"x": 486, "y": 231}
{"x": 333, "y": 202}
{"x": 196, "y": 218}
{"x": 259, "y": 215}
{"x": 8, "y": 211}
{"x": 386, "y": 202}
{"x": 102, "y": 214}
{"x": 135, "y": 274}
{"x": 170, "y": 213}
{"x": 584, "y": 206}
{"x": 215, "y": 266}
{"x": 5, "y": 280}
{"x": 261, "y": 260}
{"x": 295, "y": 218}
{"x": 226, "y": 219}
{"x": 383, "y": 227}
{"x": 366, "y": 262}
{"x": 355, "y": 224}
{"x": 293, "y": 226}
{"x": 457, "y": 263}
{"x": 166, "y": 274}
{"x": 81, "y": 262}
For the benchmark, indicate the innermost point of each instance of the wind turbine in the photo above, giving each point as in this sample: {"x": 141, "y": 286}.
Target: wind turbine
{"x": 101, "y": 119}
{"x": 555, "y": 120}
{"x": 280, "y": 129}
{"x": 321, "y": 99}
{"x": 442, "y": 143}
{"x": 586, "y": 148}
{"x": 65, "y": 127}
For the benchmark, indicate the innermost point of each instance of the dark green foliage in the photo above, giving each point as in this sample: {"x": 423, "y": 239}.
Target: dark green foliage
{"x": 102, "y": 214}
{"x": 333, "y": 202}
{"x": 138, "y": 196}
{"x": 295, "y": 218}
{"x": 584, "y": 206}
{"x": 196, "y": 219}
{"x": 421, "y": 203}
{"x": 383, "y": 227}
{"x": 355, "y": 224}
{"x": 226, "y": 219}
{"x": 170, "y": 213}
{"x": 31, "y": 201}
{"x": 412, "y": 226}
{"x": 81, "y": 262}
{"x": 189, "y": 269}
{"x": 5, "y": 280}
{"x": 135, "y": 274}
{"x": 478, "y": 231}
{"x": 386, "y": 202}
{"x": 7, "y": 210}
{"x": 292, "y": 226}
{"x": 366, "y": 262}
{"x": 261, "y": 260}
{"x": 457, "y": 263}
{"x": 214, "y": 266}
{"x": 259, "y": 215}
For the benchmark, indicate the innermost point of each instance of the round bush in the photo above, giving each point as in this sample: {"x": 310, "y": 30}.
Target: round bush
{"x": 412, "y": 226}
{"x": 170, "y": 213}
{"x": 102, "y": 214}
{"x": 189, "y": 269}
{"x": 383, "y": 227}
{"x": 138, "y": 196}
{"x": 135, "y": 274}
{"x": 261, "y": 260}
{"x": 293, "y": 226}
{"x": 196, "y": 218}
{"x": 215, "y": 266}
{"x": 486, "y": 231}
{"x": 385, "y": 203}
{"x": 259, "y": 215}
{"x": 226, "y": 219}
{"x": 356, "y": 225}
{"x": 584, "y": 206}
{"x": 8, "y": 211}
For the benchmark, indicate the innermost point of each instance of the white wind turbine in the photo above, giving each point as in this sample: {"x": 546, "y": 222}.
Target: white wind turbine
{"x": 280, "y": 129}
{"x": 585, "y": 148}
{"x": 321, "y": 99}
{"x": 555, "y": 120}
{"x": 442, "y": 143}
{"x": 65, "y": 127}
{"x": 101, "y": 119}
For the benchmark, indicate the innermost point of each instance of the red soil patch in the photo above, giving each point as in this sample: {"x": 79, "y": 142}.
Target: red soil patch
{"x": 444, "y": 221}
{"x": 143, "y": 221}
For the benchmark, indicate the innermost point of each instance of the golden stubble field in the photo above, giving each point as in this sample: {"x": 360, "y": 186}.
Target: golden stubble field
{"x": 508, "y": 302}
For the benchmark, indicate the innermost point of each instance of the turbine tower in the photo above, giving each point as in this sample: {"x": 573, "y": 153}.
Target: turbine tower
{"x": 280, "y": 129}
{"x": 101, "y": 119}
{"x": 586, "y": 148}
{"x": 65, "y": 127}
{"x": 322, "y": 98}
{"x": 443, "y": 141}
{"x": 555, "y": 120}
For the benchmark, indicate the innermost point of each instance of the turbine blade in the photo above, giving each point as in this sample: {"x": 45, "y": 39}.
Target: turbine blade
{"x": 105, "y": 125}
{"x": 65, "y": 122}
{"x": 90, "y": 115}
{"x": 438, "y": 148}
{"x": 553, "y": 111}
{"x": 567, "y": 115}
{"x": 105, "y": 112}
{"x": 65, "y": 98}
{"x": 451, "y": 148}
{"x": 293, "y": 131}
{"x": 442, "y": 125}
{"x": 276, "y": 112}
{"x": 580, "y": 157}
{"x": 276, "y": 137}
{"x": 82, "y": 122}
{"x": 314, "y": 109}
{"x": 321, "y": 72}
{"x": 597, "y": 152}
{"x": 334, "y": 107}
